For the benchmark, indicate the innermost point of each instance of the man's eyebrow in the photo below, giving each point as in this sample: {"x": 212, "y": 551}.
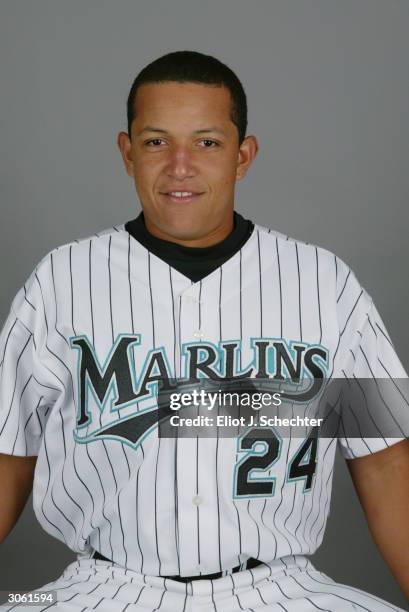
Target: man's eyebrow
{"x": 150, "y": 128}
{"x": 211, "y": 129}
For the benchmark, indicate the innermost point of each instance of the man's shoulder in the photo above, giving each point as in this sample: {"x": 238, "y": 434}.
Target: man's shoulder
{"x": 287, "y": 243}
{"x": 314, "y": 266}
{"x": 82, "y": 245}
{"x": 100, "y": 236}
{"x": 76, "y": 252}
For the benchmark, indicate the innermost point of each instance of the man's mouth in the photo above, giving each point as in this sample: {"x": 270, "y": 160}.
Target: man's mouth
{"x": 181, "y": 196}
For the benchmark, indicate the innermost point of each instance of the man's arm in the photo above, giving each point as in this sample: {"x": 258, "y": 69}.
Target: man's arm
{"x": 382, "y": 483}
{"x": 16, "y": 483}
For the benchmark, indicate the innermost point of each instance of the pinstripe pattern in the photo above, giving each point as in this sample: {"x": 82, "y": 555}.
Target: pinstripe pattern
{"x": 290, "y": 583}
{"x": 136, "y": 505}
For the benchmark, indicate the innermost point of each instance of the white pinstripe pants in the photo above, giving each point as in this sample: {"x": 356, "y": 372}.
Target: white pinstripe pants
{"x": 291, "y": 584}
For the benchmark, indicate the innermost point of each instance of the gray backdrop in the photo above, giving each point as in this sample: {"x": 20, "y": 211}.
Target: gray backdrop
{"x": 328, "y": 91}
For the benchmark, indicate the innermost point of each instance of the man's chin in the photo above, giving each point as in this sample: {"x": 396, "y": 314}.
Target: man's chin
{"x": 186, "y": 234}
{"x": 187, "y": 226}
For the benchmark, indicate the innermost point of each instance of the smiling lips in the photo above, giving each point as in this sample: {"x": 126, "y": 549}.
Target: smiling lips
{"x": 181, "y": 196}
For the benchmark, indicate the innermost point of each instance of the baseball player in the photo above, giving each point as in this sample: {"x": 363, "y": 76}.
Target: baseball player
{"x": 190, "y": 290}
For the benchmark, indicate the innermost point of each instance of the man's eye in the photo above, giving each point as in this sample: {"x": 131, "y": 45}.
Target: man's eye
{"x": 154, "y": 142}
{"x": 208, "y": 143}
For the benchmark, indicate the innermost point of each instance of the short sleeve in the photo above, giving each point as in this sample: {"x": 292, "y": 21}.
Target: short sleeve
{"x": 376, "y": 414}
{"x": 26, "y": 391}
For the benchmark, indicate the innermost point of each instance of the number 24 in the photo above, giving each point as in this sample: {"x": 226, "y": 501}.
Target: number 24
{"x": 302, "y": 466}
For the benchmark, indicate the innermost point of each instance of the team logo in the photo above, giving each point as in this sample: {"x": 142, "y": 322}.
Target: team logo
{"x": 121, "y": 399}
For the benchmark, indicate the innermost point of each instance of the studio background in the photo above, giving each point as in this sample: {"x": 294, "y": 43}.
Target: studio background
{"x": 328, "y": 94}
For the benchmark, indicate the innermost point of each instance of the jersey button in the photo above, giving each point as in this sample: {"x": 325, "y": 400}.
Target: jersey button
{"x": 198, "y": 334}
{"x": 197, "y": 500}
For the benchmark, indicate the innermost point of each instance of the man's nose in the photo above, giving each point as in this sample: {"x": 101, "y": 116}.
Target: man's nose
{"x": 181, "y": 163}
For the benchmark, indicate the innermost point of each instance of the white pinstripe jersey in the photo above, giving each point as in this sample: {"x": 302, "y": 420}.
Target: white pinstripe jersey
{"x": 99, "y": 317}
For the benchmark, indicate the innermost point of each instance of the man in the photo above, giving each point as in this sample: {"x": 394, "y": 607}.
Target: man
{"x": 190, "y": 290}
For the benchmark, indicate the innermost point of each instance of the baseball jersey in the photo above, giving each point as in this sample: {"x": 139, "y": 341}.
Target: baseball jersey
{"x": 101, "y": 320}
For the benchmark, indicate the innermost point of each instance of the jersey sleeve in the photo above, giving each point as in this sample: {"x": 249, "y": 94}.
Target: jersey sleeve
{"x": 375, "y": 409}
{"x": 27, "y": 391}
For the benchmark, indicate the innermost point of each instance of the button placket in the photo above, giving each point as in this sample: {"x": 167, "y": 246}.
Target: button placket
{"x": 188, "y": 500}
{"x": 189, "y": 317}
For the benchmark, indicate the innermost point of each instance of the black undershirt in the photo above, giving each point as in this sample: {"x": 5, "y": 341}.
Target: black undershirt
{"x": 193, "y": 262}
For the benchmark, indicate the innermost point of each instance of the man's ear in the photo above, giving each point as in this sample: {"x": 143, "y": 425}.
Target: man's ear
{"x": 247, "y": 153}
{"x": 125, "y": 148}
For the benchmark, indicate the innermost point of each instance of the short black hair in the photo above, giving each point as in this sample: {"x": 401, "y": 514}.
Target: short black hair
{"x": 193, "y": 67}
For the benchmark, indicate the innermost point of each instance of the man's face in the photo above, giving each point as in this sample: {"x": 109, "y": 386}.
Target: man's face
{"x": 185, "y": 159}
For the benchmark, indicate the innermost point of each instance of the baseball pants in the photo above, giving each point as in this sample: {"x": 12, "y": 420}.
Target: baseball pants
{"x": 289, "y": 584}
